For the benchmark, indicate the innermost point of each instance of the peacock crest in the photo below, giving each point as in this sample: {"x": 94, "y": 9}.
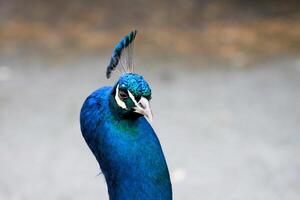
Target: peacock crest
{"x": 122, "y": 56}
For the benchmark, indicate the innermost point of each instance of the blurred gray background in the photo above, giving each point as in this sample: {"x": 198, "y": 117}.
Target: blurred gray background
{"x": 225, "y": 77}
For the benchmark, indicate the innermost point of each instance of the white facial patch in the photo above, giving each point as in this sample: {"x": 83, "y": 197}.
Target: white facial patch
{"x": 118, "y": 100}
{"x": 133, "y": 99}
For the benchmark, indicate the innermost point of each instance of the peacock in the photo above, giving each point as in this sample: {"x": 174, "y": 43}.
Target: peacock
{"x": 114, "y": 123}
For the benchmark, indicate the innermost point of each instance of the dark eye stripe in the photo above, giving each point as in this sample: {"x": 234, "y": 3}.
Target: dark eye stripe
{"x": 137, "y": 98}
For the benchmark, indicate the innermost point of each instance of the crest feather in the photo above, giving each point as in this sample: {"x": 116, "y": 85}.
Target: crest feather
{"x": 122, "y": 55}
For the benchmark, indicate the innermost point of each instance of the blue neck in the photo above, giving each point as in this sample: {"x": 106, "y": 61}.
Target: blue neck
{"x": 127, "y": 149}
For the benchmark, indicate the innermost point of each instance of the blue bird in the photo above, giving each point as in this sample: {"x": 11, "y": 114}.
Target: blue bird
{"x": 125, "y": 145}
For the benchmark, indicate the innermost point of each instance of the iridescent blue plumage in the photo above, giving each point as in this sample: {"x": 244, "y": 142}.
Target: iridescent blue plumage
{"x": 124, "y": 143}
{"x": 136, "y": 84}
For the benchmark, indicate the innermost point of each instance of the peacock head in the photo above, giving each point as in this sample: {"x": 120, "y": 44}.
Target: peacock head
{"x": 131, "y": 94}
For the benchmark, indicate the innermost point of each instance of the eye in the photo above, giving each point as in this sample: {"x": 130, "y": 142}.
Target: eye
{"x": 123, "y": 94}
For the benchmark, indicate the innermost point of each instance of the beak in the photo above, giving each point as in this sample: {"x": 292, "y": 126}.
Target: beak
{"x": 143, "y": 107}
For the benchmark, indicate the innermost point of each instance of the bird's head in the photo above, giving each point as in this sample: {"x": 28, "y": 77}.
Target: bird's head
{"x": 132, "y": 95}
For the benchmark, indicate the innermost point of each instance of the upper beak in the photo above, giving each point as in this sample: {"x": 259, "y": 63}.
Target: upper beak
{"x": 143, "y": 107}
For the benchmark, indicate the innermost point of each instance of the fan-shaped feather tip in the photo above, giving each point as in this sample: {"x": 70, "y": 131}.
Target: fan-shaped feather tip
{"x": 117, "y": 53}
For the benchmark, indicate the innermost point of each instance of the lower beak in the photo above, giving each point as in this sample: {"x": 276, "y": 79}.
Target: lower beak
{"x": 143, "y": 107}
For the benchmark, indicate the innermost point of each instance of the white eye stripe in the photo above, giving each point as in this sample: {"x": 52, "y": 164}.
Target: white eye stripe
{"x": 133, "y": 99}
{"x": 118, "y": 100}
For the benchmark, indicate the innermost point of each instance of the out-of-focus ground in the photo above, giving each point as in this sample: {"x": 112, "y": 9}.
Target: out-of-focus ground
{"x": 225, "y": 77}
